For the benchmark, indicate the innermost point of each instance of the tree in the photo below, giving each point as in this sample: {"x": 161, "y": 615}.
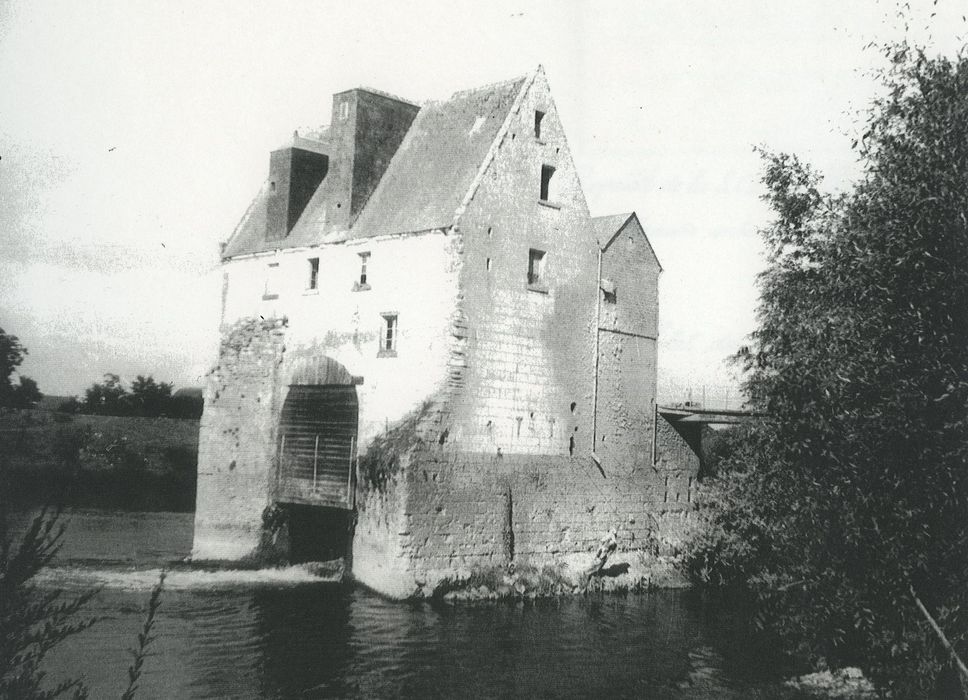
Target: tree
{"x": 34, "y": 621}
{"x": 108, "y": 398}
{"x": 848, "y": 509}
{"x": 24, "y": 395}
{"x": 150, "y": 398}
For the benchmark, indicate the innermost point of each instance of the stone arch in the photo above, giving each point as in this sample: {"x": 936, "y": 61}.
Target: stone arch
{"x": 317, "y": 434}
{"x": 319, "y": 370}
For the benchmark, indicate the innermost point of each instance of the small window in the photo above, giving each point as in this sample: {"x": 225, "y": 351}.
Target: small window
{"x": 536, "y": 260}
{"x": 609, "y": 291}
{"x": 362, "y": 282}
{"x": 344, "y": 109}
{"x": 388, "y": 338}
{"x": 547, "y": 172}
{"x": 313, "y": 274}
{"x": 272, "y": 282}
{"x": 538, "y": 116}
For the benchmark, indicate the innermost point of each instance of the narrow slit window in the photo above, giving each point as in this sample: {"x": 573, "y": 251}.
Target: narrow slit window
{"x": 538, "y": 116}
{"x": 364, "y": 262}
{"x": 536, "y": 260}
{"x": 547, "y": 172}
{"x": 388, "y": 338}
{"x": 313, "y": 274}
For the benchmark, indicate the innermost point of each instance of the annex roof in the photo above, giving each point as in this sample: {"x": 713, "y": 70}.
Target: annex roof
{"x": 607, "y": 227}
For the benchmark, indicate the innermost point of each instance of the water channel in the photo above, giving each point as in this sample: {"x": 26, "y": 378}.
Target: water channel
{"x": 287, "y": 634}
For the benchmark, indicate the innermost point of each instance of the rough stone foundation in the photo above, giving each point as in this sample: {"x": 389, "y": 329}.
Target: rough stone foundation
{"x": 446, "y": 514}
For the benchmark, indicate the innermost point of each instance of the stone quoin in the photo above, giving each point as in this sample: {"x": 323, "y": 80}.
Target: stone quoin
{"x": 433, "y": 358}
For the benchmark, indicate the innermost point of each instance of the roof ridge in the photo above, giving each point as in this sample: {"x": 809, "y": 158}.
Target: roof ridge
{"x": 490, "y": 86}
{"x": 626, "y": 214}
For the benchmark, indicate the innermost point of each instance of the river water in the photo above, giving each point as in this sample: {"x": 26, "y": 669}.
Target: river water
{"x": 287, "y": 634}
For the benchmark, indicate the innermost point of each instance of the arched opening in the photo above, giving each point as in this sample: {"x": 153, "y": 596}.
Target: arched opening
{"x": 317, "y": 458}
{"x": 317, "y": 445}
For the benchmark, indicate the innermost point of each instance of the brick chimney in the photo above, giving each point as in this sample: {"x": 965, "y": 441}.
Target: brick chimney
{"x": 366, "y": 130}
{"x": 294, "y": 174}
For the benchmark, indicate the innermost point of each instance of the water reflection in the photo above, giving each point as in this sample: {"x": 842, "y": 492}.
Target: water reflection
{"x": 329, "y": 641}
{"x": 283, "y": 639}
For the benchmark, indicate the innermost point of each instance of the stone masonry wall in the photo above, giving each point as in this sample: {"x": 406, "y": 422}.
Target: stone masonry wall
{"x": 526, "y": 385}
{"x": 237, "y": 442}
{"x": 450, "y": 512}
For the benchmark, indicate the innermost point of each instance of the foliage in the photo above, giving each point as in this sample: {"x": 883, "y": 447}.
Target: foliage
{"x": 99, "y": 461}
{"x": 33, "y": 621}
{"x": 855, "y": 489}
{"x": 11, "y": 354}
{"x": 26, "y": 394}
{"x": 381, "y": 461}
{"x": 71, "y": 405}
{"x": 145, "y": 638}
{"x": 147, "y": 398}
{"x": 107, "y": 398}
{"x": 22, "y": 395}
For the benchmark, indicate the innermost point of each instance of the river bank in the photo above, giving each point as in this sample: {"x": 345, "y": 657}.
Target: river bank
{"x": 87, "y": 461}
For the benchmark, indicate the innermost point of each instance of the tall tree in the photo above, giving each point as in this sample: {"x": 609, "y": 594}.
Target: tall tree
{"x": 22, "y": 395}
{"x": 150, "y": 398}
{"x": 108, "y": 398}
{"x": 851, "y": 500}
{"x": 26, "y": 394}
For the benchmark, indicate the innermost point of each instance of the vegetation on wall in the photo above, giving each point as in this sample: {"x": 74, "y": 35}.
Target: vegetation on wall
{"x": 381, "y": 461}
{"x": 846, "y": 511}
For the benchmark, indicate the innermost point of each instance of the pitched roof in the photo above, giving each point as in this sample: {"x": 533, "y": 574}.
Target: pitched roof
{"x": 605, "y": 227}
{"x": 608, "y": 226}
{"x": 424, "y": 184}
{"x": 437, "y": 162}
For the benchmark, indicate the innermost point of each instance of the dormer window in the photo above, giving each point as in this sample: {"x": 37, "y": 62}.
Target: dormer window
{"x": 362, "y": 284}
{"x": 538, "y": 116}
{"x": 547, "y": 173}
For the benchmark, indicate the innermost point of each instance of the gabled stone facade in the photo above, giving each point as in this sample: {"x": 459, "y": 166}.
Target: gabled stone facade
{"x": 497, "y": 344}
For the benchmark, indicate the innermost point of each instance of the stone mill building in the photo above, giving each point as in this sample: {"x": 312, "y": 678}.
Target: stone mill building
{"x": 433, "y": 358}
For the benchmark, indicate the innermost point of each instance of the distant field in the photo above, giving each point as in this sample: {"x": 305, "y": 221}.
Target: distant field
{"x": 109, "y": 461}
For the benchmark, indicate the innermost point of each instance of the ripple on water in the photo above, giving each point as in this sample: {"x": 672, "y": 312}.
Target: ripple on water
{"x": 73, "y": 577}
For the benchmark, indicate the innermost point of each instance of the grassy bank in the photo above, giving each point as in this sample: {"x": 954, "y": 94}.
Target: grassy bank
{"x": 98, "y": 461}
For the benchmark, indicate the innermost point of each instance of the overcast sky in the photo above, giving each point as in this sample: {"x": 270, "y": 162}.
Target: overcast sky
{"x": 133, "y": 136}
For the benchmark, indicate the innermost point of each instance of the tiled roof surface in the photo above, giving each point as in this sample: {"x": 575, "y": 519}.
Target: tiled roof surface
{"x": 424, "y": 184}
{"x": 437, "y": 162}
{"x": 606, "y": 226}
